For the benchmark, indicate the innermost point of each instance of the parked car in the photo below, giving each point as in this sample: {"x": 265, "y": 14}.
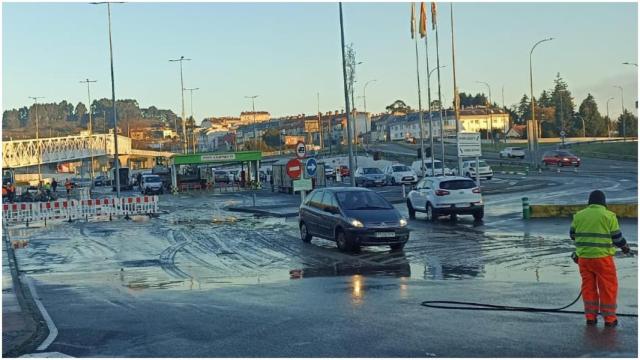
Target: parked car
{"x": 329, "y": 172}
{"x": 221, "y": 176}
{"x": 352, "y": 217}
{"x": 81, "y": 182}
{"x": 446, "y": 195}
{"x": 100, "y": 180}
{"x": 512, "y": 152}
{"x": 437, "y": 171}
{"x": 400, "y": 174}
{"x": 151, "y": 184}
{"x": 469, "y": 169}
{"x": 369, "y": 176}
{"x": 560, "y": 158}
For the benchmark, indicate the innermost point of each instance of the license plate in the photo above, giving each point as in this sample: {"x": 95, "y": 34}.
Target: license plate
{"x": 461, "y": 205}
{"x": 385, "y": 234}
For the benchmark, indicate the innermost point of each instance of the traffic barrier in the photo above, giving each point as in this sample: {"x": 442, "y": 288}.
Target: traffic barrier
{"x": 79, "y": 209}
{"x": 547, "y": 211}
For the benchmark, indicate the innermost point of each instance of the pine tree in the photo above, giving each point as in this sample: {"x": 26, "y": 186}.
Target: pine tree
{"x": 627, "y": 124}
{"x": 594, "y": 124}
{"x": 524, "y": 109}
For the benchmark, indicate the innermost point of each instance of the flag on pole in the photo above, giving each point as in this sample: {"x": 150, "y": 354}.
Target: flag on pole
{"x": 413, "y": 20}
{"x": 423, "y": 20}
{"x": 433, "y": 15}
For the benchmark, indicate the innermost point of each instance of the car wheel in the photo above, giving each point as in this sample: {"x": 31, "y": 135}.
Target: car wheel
{"x": 342, "y": 242}
{"x": 304, "y": 233}
{"x": 489, "y": 177}
{"x": 431, "y": 213}
{"x": 468, "y": 175}
{"x": 454, "y": 217}
{"x": 397, "y": 247}
{"x": 478, "y": 215}
{"x": 393, "y": 181}
{"x": 412, "y": 211}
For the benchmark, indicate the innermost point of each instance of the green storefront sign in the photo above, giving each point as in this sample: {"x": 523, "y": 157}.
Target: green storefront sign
{"x": 210, "y": 158}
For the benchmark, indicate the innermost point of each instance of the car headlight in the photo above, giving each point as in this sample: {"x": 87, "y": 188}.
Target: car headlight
{"x": 356, "y": 223}
{"x": 403, "y": 222}
{"x": 565, "y": 159}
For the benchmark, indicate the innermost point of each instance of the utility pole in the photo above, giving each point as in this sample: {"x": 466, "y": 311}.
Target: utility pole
{"x": 193, "y": 137}
{"x": 352, "y": 179}
{"x": 90, "y": 127}
{"x": 35, "y": 101}
{"x": 456, "y": 98}
{"x": 253, "y": 107}
{"x": 184, "y": 126}
{"x": 320, "y": 123}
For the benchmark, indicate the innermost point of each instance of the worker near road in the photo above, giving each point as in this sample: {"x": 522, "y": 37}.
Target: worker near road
{"x": 596, "y": 232}
{"x": 68, "y": 186}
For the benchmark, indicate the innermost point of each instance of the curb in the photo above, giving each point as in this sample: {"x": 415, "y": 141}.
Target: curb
{"x": 28, "y": 305}
{"x": 547, "y": 211}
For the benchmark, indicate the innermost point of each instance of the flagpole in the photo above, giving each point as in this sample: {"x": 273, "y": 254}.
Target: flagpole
{"x": 433, "y": 173}
{"x": 418, "y": 78}
{"x": 456, "y": 100}
{"x": 435, "y": 23}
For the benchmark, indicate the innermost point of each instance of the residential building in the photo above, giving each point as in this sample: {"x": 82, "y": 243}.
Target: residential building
{"x": 248, "y": 117}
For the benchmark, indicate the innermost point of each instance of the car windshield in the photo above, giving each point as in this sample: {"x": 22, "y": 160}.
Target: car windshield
{"x": 362, "y": 200}
{"x": 152, "y": 178}
{"x": 516, "y": 149}
{"x": 221, "y": 173}
{"x": 482, "y": 164}
{"x": 401, "y": 168}
{"x": 457, "y": 184}
{"x": 564, "y": 153}
{"x": 371, "y": 171}
{"x": 436, "y": 165}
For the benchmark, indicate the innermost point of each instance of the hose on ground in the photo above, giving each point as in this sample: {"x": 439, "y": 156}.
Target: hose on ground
{"x": 463, "y": 305}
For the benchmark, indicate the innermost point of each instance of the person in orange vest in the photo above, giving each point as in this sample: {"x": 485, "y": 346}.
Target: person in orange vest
{"x": 68, "y": 186}
{"x": 12, "y": 192}
{"x": 596, "y": 231}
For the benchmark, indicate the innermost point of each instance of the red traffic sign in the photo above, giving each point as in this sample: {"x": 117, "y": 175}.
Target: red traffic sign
{"x": 301, "y": 150}
{"x": 294, "y": 168}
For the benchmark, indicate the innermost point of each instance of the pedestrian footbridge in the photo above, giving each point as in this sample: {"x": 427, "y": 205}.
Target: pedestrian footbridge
{"x": 22, "y": 153}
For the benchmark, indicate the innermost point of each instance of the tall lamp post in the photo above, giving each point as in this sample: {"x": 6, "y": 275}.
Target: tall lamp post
{"x": 624, "y": 123}
{"x": 490, "y": 132}
{"x": 193, "y": 136}
{"x": 184, "y": 126}
{"x": 532, "y": 132}
{"x": 364, "y": 99}
{"x": 431, "y": 120}
{"x": 116, "y": 159}
{"x": 608, "y": 118}
{"x": 35, "y": 102}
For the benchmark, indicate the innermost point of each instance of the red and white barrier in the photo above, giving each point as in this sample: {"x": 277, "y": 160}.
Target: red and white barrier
{"x": 79, "y": 209}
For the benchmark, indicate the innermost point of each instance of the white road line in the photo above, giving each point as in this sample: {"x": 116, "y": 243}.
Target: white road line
{"x": 53, "y": 330}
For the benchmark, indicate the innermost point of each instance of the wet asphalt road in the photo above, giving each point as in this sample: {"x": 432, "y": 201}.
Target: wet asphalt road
{"x": 181, "y": 285}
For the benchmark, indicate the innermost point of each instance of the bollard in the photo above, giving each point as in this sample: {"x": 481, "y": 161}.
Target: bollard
{"x": 404, "y": 195}
{"x": 526, "y": 210}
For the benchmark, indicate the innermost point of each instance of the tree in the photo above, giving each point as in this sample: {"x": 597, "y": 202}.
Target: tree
{"x": 563, "y": 103}
{"x": 23, "y": 116}
{"x": 627, "y": 124}
{"x": 594, "y": 123}
{"x": 524, "y": 109}
{"x": 545, "y": 100}
{"x": 468, "y": 100}
{"x": 398, "y": 106}
{"x": 271, "y": 137}
{"x": 10, "y": 119}
{"x": 79, "y": 114}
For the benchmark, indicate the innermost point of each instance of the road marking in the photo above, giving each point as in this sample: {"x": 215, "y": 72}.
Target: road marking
{"x": 53, "y": 330}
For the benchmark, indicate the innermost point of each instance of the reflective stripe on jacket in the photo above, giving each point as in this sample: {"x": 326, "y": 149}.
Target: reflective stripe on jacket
{"x": 596, "y": 232}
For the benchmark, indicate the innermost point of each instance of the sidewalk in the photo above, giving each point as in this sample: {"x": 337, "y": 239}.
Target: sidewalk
{"x": 20, "y": 330}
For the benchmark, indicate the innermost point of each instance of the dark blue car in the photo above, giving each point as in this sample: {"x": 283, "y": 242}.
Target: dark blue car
{"x": 352, "y": 217}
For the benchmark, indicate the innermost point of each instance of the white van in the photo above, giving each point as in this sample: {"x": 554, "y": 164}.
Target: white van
{"x": 437, "y": 164}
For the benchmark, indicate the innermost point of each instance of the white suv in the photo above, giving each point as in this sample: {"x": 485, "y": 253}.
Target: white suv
{"x": 446, "y": 195}
{"x": 151, "y": 184}
{"x": 400, "y": 174}
{"x": 469, "y": 169}
{"x": 512, "y": 152}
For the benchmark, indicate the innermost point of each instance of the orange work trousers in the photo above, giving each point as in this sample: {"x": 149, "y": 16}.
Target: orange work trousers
{"x": 599, "y": 287}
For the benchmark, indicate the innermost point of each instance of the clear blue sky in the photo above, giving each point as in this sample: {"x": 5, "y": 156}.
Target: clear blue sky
{"x": 287, "y": 52}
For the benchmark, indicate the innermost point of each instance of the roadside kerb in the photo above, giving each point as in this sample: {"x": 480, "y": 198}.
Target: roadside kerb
{"x": 568, "y": 210}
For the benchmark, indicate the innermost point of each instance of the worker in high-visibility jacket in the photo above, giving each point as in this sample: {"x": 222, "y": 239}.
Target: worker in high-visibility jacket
{"x": 596, "y": 232}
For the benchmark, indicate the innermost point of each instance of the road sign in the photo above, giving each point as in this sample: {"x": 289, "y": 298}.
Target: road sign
{"x": 311, "y": 126}
{"x": 469, "y": 145}
{"x": 311, "y": 167}
{"x": 302, "y": 184}
{"x": 562, "y": 133}
{"x": 301, "y": 150}
{"x": 294, "y": 168}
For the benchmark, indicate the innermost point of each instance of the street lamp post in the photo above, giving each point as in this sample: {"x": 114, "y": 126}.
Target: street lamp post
{"x": 346, "y": 99}
{"x": 490, "y": 132}
{"x": 184, "y": 126}
{"x": 90, "y": 127}
{"x": 608, "y": 118}
{"x": 624, "y": 123}
{"x": 364, "y": 99}
{"x": 431, "y": 121}
{"x": 253, "y": 107}
{"x": 35, "y": 101}
{"x": 533, "y": 137}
